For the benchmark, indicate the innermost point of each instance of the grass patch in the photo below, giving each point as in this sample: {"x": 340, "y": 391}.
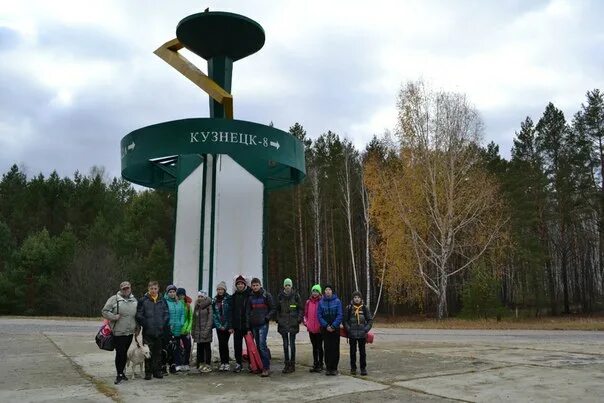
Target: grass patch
{"x": 61, "y": 318}
{"x": 546, "y": 323}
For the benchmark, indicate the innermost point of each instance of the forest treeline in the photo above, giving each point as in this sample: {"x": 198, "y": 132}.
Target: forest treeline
{"x": 426, "y": 219}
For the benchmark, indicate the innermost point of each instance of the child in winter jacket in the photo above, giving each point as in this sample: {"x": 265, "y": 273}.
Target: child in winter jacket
{"x": 239, "y": 301}
{"x": 260, "y": 309}
{"x": 311, "y": 321}
{"x": 185, "y": 332}
{"x": 289, "y": 317}
{"x": 221, "y": 308}
{"x": 357, "y": 322}
{"x": 330, "y": 317}
{"x": 201, "y": 330}
{"x": 177, "y": 320}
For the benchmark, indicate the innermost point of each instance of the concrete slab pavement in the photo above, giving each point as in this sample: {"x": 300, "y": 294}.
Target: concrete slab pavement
{"x": 46, "y": 360}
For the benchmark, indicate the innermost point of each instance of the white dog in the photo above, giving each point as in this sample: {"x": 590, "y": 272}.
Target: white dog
{"x": 137, "y": 352}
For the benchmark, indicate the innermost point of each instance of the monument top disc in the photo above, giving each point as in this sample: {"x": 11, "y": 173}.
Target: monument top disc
{"x": 214, "y": 33}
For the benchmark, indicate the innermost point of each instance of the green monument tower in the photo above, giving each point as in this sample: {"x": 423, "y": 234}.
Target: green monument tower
{"x": 220, "y": 168}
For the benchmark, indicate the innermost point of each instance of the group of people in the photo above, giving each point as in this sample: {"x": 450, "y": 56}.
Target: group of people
{"x": 169, "y": 325}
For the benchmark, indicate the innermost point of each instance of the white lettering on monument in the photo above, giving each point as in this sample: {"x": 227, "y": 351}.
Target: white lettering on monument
{"x": 232, "y": 138}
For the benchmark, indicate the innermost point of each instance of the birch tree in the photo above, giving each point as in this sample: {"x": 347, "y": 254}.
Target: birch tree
{"x": 316, "y": 208}
{"x": 345, "y": 179}
{"x": 438, "y": 190}
{"x": 367, "y": 229}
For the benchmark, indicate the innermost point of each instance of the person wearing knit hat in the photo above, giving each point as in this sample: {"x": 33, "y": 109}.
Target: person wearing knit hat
{"x": 185, "y": 334}
{"x": 221, "y": 315}
{"x": 289, "y": 317}
{"x": 238, "y": 319}
{"x": 201, "y": 330}
{"x": 240, "y": 279}
{"x": 330, "y": 317}
{"x": 357, "y": 321}
{"x": 177, "y": 320}
{"x": 313, "y": 326}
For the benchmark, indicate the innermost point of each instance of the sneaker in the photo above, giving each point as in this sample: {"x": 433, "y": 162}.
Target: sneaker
{"x": 124, "y": 377}
{"x": 363, "y": 372}
{"x": 237, "y": 368}
{"x": 206, "y": 368}
{"x": 147, "y": 377}
{"x": 118, "y": 380}
{"x": 353, "y": 372}
{"x": 158, "y": 375}
{"x": 177, "y": 368}
{"x": 185, "y": 368}
{"x": 172, "y": 369}
{"x": 265, "y": 373}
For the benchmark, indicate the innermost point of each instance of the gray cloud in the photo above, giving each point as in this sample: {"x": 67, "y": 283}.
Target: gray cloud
{"x": 325, "y": 77}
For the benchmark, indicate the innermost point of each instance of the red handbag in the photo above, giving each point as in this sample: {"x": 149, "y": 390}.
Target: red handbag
{"x": 370, "y": 335}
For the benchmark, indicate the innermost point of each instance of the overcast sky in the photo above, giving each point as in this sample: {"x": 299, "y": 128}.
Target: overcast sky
{"x": 76, "y": 76}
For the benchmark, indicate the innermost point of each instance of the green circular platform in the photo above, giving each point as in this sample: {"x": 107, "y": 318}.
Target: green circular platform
{"x": 211, "y": 34}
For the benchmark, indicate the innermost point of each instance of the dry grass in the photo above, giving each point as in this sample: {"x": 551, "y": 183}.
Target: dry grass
{"x": 546, "y": 323}
{"x": 61, "y": 318}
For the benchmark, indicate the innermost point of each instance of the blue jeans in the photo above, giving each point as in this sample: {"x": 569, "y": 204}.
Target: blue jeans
{"x": 260, "y": 333}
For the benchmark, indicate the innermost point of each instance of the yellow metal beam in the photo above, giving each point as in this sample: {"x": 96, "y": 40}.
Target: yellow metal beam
{"x": 169, "y": 53}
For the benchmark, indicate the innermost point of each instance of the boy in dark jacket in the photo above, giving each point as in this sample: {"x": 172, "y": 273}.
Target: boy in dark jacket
{"x": 239, "y": 302}
{"x": 330, "y": 317}
{"x": 152, "y": 314}
{"x": 357, "y": 323}
{"x": 260, "y": 309}
{"x": 289, "y": 316}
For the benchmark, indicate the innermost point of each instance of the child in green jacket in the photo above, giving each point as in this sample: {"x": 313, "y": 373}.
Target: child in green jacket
{"x": 185, "y": 333}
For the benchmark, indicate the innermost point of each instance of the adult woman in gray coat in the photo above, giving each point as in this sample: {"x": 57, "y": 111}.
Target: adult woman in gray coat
{"x": 120, "y": 309}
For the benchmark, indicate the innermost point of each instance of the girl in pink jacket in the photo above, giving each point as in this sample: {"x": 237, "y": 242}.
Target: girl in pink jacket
{"x": 311, "y": 321}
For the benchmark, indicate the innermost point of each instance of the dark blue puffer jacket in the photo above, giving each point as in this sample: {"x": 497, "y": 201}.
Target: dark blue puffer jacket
{"x": 330, "y": 311}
